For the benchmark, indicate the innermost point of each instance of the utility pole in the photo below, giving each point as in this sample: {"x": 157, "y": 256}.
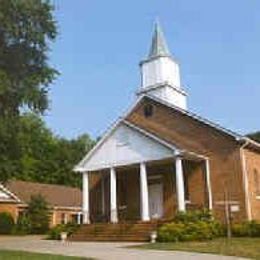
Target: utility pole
{"x": 227, "y": 213}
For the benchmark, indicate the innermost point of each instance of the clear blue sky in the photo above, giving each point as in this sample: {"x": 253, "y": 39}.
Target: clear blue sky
{"x": 101, "y": 43}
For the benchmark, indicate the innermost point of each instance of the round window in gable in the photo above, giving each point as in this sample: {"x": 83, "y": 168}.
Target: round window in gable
{"x": 148, "y": 110}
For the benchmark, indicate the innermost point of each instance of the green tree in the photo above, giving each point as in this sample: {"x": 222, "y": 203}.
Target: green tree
{"x": 26, "y": 29}
{"x": 39, "y": 215}
{"x": 255, "y": 136}
{"x": 47, "y": 158}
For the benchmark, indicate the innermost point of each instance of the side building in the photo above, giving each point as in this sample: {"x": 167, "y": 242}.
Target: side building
{"x": 65, "y": 203}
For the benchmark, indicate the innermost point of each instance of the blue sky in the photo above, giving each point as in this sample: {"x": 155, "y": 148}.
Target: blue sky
{"x": 101, "y": 43}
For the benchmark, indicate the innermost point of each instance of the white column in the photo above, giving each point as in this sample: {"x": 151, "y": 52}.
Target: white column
{"x": 113, "y": 201}
{"x": 180, "y": 184}
{"x": 65, "y": 218}
{"x": 209, "y": 185}
{"x": 145, "y": 216}
{"x": 85, "y": 198}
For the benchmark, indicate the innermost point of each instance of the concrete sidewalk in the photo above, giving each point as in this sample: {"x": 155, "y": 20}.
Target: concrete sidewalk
{"x": 102, "y": 251}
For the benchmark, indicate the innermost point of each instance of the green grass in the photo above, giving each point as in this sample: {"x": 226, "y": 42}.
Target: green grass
{"x": 20, "y": 255}
{"x": 243, "y": 247}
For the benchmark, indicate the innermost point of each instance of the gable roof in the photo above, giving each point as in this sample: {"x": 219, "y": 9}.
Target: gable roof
{"x": 194, "y": 116}
{"x": 55, "y": 195}
{"x": 80, "y": 167}
{"x": 7, "y": 196}
{"x": 243, "y": 140}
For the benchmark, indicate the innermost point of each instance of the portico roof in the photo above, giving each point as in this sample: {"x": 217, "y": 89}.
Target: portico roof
{"x": 127, "y": 144}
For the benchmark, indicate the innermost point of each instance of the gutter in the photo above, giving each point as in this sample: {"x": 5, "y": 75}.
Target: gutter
{"x": 247, "y": 142}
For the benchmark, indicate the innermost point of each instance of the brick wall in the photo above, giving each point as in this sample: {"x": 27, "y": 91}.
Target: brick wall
{"x": 187, "y": 133}
{"x": 11, "y": 208}
{"x": 253, "y": 166}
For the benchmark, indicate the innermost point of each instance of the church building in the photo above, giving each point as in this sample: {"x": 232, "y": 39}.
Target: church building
{"x": 160, "y": 158}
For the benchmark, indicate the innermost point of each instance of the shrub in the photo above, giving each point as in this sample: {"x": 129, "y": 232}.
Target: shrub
{"x": 194, "y": 216}
{"x": 171, "y": 232}
{"x": 54, "y": 233}
{"x": 23, "y": 225}
{"x": 246, "y": 229}
{"x": 189, "y": 226}
{"x": 6, "y": 223}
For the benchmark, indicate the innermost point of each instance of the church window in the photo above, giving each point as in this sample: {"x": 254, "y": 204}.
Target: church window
{"x": 257, "y": 182}
{"x": 148, "y": 110}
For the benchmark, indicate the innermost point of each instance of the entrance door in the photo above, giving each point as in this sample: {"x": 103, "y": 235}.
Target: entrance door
{"x": 156, "y": 200}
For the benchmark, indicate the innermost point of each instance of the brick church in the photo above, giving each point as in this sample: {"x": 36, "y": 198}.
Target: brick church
{"x": 160, "y": 158}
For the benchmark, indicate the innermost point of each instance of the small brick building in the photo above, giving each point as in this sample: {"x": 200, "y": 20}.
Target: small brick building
{"x": 65, "y": 203}
{"x": 160, "y": 158}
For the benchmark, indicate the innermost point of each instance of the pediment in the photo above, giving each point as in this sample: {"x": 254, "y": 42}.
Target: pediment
{"x": 6, "y": 195}
{"x": 125, "y": 145}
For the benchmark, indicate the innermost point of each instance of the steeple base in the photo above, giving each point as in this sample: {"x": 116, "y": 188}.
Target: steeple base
{"x": 173, "y": 95}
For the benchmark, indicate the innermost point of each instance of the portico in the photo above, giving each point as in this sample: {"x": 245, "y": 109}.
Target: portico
{"x": 135, "y": 188}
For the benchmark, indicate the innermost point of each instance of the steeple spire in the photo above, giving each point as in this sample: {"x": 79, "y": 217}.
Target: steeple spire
{"x": 159, "y": 46}
{"x": 160, "y": 73}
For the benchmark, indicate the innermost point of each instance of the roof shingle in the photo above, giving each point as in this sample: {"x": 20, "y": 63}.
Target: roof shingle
{"x": 55, "y": 195}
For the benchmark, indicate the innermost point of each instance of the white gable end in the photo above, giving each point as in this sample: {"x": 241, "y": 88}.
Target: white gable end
{"x": 4, "y": 195}
{"x": 124, "y": 146}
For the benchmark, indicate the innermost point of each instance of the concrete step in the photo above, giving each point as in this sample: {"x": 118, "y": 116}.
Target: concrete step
{"x": 114, "y": 232}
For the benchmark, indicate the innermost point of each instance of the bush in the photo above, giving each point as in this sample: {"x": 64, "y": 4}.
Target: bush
{"x": 23, "y": 225}
{"x": 171, "y": 232}
{"x": 54, "y": 233}
{"x": 246, "y": 229}
{"x": 6, "y": 223}
{"x": 38, "y": 213}
{"x": 194, "y": 216}
{"x": 190, "y": 226}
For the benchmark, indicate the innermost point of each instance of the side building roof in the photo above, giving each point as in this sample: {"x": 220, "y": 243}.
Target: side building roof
{"x": 55, "y": 195}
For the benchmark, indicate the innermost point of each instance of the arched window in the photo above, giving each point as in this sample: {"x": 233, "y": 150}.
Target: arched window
{"x": 257, "y": 182}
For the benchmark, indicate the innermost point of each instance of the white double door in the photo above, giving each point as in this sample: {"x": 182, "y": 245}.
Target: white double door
{"x": 156, "y": 200}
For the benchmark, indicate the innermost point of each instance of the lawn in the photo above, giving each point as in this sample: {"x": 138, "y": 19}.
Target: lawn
{"x": 19, "y": 255}
{"x": 243, "y": 247}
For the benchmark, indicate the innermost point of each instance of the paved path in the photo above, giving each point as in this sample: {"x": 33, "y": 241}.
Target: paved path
{"x": 102, "y": 251}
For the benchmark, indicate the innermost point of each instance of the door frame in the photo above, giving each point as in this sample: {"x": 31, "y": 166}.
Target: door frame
{"x": 160, "y": 194}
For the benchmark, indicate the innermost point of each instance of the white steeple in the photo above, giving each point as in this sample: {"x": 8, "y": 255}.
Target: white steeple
{"x": 160, "y": 73}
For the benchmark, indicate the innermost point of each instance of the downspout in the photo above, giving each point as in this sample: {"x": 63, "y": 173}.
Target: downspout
{"x": 245, "y": 180}
{"x": 208, "y": 180}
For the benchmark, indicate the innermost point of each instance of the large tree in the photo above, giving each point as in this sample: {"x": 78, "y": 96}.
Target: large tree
{"x": 26, "y": 29}
{"x": 255, "y": 136}
{"x": 46, "y": 157}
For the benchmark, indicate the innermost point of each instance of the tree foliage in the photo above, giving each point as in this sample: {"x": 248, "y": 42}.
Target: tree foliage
{"x": 6, "y": 223}
{"x": 39, "y": 215}
{"x": 46, "y": 157}
{"x": 26, "y": 29}
{"x": 255, "y": 136}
